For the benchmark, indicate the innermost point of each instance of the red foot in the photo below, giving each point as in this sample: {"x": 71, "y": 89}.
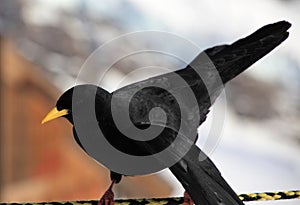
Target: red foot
{"x": 187, "y": 200}
{"x": 108, "y": 196}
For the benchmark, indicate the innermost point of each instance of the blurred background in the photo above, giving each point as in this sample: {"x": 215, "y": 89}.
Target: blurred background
{"x": 43, "y": 45}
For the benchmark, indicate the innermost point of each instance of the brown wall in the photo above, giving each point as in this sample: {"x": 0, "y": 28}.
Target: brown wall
{"x": 39, "y": 162}
{"x": 43, "y": 163}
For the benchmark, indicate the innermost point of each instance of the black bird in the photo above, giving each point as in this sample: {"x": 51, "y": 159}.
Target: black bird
{"x": 200, "y": 178}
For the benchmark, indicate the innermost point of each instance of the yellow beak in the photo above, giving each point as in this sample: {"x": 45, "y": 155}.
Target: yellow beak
{"x": 53, "y": 114}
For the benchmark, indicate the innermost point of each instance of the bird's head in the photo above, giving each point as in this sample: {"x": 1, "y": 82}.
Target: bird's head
{"x": 63, "y": 107}
{"x": 67, "y": 100}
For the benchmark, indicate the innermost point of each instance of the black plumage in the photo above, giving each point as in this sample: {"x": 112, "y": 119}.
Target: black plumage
{"x": 200, "y": 178}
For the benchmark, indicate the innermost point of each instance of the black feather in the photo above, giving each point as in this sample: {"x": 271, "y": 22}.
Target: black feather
{"x": 216, "y": 66}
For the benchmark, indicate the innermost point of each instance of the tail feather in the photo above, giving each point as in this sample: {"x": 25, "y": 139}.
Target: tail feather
{"x": 199, "y": 177}
{"x": 203, "y": 181}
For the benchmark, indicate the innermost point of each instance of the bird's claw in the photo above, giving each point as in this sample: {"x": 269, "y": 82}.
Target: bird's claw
{"x": 187, "y": 200}
{"x": 107, "y": 198}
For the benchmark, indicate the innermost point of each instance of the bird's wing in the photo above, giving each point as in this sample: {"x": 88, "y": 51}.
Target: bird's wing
{"x": 203, "y": 181}
{"x": 163, "y": 92}
{"x": 205, "y": 76}
{"x": 231, "y": 60}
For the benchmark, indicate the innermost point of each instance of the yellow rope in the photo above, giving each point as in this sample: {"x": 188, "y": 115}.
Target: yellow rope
{"x": 267, "y": 196}
{"x": 264, "y": 196}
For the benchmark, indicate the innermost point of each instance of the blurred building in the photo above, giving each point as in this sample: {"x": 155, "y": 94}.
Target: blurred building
{"x": 43, "y": 163}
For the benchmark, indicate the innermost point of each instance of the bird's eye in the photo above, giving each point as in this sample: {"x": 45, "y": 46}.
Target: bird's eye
{"x": 59, "y": 108}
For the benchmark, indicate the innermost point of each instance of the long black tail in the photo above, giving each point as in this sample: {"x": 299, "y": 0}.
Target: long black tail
{"x": 203, "y": 181}
{"x": 199, "y": 177}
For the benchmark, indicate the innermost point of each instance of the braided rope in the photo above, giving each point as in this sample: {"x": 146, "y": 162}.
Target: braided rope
{"x": 263, "y": 196}
{"x": 270, "y": 196}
